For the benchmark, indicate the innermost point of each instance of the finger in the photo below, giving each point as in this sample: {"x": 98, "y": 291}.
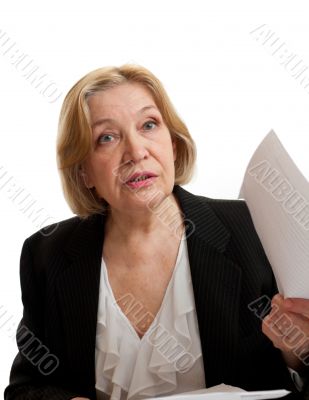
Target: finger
{"x": 280, "y": 323}
{"x": 272, "y": 332}
{"x": 277, "y": 299}
{"x": 295, "y": 340}
{"x": 297, "y": 305}
{"x": 298, "y": 321}
{"x": 284, "y": 334}
{"x": 276, "y": 329}
{"x": 276, "y": 310}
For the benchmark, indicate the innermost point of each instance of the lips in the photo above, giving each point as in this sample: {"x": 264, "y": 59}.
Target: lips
{"x": 146, "y": 174}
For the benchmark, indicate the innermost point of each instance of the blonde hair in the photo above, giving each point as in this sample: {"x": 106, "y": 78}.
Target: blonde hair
{"x": 74, "y": 141}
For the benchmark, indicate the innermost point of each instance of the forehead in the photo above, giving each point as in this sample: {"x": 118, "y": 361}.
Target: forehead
{"x": 125, "y": 98}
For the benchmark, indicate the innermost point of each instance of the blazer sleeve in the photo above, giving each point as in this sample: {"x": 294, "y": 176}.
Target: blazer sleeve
{"x": 27, "y": 379}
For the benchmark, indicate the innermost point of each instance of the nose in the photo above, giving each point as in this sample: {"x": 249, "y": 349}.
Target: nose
{"x": 135, "y": 148}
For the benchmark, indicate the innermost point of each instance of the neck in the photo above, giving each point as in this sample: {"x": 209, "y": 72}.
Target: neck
{"x": 165, "y": 219}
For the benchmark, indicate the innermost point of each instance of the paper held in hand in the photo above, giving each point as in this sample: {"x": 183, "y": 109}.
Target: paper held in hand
{"x": 277, "y": 195}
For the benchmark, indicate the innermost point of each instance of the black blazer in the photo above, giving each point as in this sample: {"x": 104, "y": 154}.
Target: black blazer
{"x": 60, "y": 277}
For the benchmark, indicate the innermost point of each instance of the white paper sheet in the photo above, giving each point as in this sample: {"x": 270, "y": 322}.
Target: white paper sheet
{"x": 277, "y": 195}
{"x": 226, "y": 392}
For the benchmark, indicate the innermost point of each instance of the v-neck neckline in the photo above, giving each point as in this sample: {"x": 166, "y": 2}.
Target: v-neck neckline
{"x": 122, "y": 314}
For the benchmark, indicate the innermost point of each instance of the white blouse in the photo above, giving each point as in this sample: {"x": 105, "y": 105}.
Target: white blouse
{"x": 166, "y": 360}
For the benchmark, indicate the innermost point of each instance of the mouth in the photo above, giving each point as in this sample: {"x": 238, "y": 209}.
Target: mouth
{"x": 140, "y": 180}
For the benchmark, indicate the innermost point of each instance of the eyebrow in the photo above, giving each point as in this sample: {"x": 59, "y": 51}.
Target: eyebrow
{"x": 103, "y": 120}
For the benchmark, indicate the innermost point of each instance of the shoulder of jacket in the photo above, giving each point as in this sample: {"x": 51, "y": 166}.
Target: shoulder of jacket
{"x": 54, "y": 234}
{"x": 227, "y": 209}
{"x": 230, "y": 211}
{"x": 223, "y": 204}
{"x": 218, "y": 200}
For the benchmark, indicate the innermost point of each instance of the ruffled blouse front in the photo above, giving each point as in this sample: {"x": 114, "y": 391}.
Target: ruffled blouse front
{"x": 166, "y": 360}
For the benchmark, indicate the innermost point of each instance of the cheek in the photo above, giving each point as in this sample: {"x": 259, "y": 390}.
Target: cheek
{"x": 106, "y": 172}
{"x": 98, "y": 163}
{"x": 170, "y": 153}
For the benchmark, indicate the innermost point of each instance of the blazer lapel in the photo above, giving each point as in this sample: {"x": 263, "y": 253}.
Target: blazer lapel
{"x": 216, "y": 286}
{"x": 78, "y": 293}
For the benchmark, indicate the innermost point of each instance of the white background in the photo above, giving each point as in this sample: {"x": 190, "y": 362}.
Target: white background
{"x": 227, "y": 86}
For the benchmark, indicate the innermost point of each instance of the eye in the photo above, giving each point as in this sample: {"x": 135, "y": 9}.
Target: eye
{"x": 104, "y": 138}
{"x": 149, "y": 125}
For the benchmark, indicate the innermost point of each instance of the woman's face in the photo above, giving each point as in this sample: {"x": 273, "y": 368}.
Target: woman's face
{"x": 129, "y": 136}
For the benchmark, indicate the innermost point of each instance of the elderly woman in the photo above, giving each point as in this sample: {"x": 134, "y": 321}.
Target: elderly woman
{"x": 149, "y": 290}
